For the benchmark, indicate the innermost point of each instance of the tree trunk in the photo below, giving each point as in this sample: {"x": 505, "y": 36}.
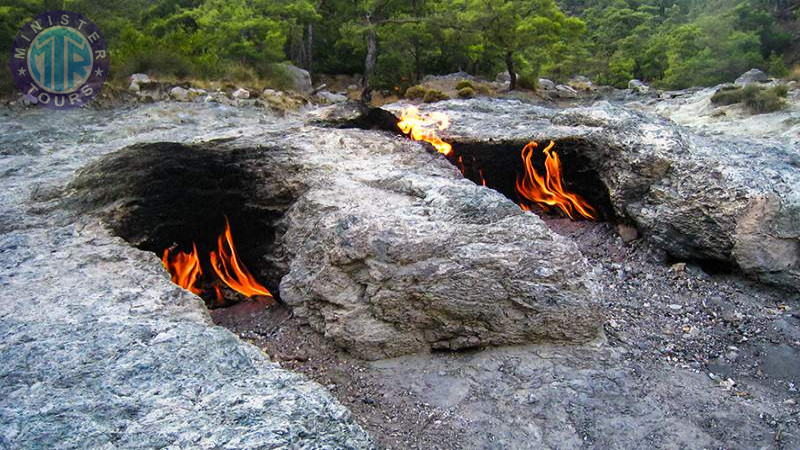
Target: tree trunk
{"x": 369, "y": 64}
{"x": 511, "y": 73}
{"x": 309, "y": 41}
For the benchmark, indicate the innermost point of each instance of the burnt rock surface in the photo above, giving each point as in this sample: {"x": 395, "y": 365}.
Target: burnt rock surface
{"x": 99, "y": 349}
{"x": 381, "y": 245}
{"x": 724, "y": 200}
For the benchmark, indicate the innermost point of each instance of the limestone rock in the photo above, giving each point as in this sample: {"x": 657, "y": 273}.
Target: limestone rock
{"x": 180, "y": 94}
{"x": 331, "y": 97}
{"x": 546, "y": 85}
{"x": 638, "y": 87}
{"x": 300, "y": 78}
{"x": 752, "y": 76}
{"x": 241, "y": 93}
{"x": 726, "y": 199}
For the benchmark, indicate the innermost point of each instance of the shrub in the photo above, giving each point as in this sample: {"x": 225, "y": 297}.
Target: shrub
{"x": 466, "y": 92}
{"x": 416, "y": 92}
{"x": 776, "y": 66}
{"x": 755, "y": 99}
{"x": 527, "y": 81}
{"x": 464, "y": 84}
{"x": 434, "y": 96}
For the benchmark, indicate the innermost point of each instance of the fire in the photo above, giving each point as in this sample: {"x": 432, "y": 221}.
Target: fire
{"x": 185, "y": 268}
{"x": 230, "y": 269}
{"x": 548, "y": 191}
{"x": 423, "y": 127}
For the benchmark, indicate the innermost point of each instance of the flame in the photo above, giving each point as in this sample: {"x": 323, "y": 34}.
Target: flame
{"x": 230, "y": 269}
{"x": 548, "y": 191}
{"x": 184, "y": 268}
{"x": 422, "y": 127}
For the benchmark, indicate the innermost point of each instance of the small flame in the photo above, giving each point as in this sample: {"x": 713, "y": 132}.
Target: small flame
{"x": 230, "y": 269}
{"x": 422, "y": 127}
{"x": 548, "y": 191}
{"x": 184, "y": 268}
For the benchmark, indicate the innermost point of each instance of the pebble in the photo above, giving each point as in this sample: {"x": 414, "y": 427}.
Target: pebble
{"x": 674, "y": 307}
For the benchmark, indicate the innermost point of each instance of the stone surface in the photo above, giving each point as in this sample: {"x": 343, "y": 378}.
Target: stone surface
{"x": 136, "y": 79}
{"x": 100, "y": 349}
{"x": 581, "y": 83}
{"x": 383, "y": 246}
{"x": 752, "y": 76}
{"x": 732, "y": 200}
{"x": 300, "y": 78}
{"x": 241, "y": 93}
{"x": 331, "y": 97}
{"x": 638, "y": 87}
{"x": 547, "y": 85}
{"x": 180, "y": 94}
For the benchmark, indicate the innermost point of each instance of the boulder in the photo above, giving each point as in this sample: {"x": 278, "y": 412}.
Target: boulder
{"x": 792, "y": 85}
{"x": 137, "y": 79}
{"x": 241, "y": 93}
{"x": 383, "y": 247}
{"x": 504, "y": 77}
{"x": 546, "y": 85}
{"x": 331, "y": 97}
{"x": 752, "y": 76}
{"x": 455, "y": 76}
{"x": 195, "y": 93}
{"x": 731, "y": 201}
{"x": 638, "y": 87}
{"x": 180, "y": 94}
{"x": 565, "y": 91}
{"x": 301, "y": 79}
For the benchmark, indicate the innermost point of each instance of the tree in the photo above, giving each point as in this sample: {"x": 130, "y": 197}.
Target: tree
{"x": 514, "y": 29}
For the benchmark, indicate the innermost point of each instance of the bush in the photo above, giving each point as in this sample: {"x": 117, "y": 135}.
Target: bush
{"x": 527, "y": 81}
{"x": 776, "y": 66}
{"x": 464, "y": 84}
{"x": 755, "y": 99}
{"x": 466, "y": 92}
{"x": 415, "y": 92}
{"x": 434, "y": 96}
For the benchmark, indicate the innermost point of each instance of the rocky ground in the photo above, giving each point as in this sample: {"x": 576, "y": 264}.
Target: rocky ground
{"x": 687, "y": 359}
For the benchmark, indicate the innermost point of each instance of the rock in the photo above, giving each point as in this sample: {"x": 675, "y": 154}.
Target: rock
{"x": 195, "y": 93}
{"x": 581, "y": 83}
{"x": 792, "y": 85}
{"x": 546, "y": 85}
{"x": 455, "y": 76}
{"x": 137, "y": 79}
{"x": 674, "y": 307}
{"x": 301, "y": 79}
{"x": 678, "y": 267}
{"x": 179, "y": 94}
{"x": 330, "y": 97}
{"x": 565, "y": 91}
{"x": 638, "y": 87}
{"x": 730, "y": 200}
{"x": 381, "y": 247}
{"x": 241, "y": 93}
{"x": 752, "y": 76}
{"x": 504, "y": 77}
{"x": 627, "y": 233}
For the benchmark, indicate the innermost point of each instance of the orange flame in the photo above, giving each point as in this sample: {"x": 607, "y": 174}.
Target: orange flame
{"x": 422, "y": 127}
{"x": 230, "y": 269}
{"x": 184, "y": 268}
{"x": 548, "y": 191}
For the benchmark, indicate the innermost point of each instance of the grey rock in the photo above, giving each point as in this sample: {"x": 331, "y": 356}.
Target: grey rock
{"x": 455, "y": 76}
{"x": 137, "y": 79}
{"x": 382, "y": 246}
{"x": 504, "y": 77}
{"x": 331, "y": 97}
{"x": 565, "y": 91}
{"x": 241, "y": 93}
{"x": 792, "y": 85}
{"x": 547, "y": 85}
{"x": 716, "y": 198}
{"x": 752, "y": 76}
{"x": 180, "y": 94}
{"x": 638, "y": 87}
{"x": 581, "y": 83}
{"x": 100, "y": 349}
{"x": 301, "y": 79}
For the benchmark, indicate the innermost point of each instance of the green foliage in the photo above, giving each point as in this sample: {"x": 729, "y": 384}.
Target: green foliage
{"x": 464, "y": 84}
{"x": 528, "y": 81}
{"x": 433, "y": 95}
{"x": 776, "y": 67}
{"x": 755, "y": 99}
{"x": 466, "y": 92}
{"x": 416, "y": 92}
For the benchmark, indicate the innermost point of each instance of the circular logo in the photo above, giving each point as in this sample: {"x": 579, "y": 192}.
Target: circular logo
{"x": 60, "y": 60}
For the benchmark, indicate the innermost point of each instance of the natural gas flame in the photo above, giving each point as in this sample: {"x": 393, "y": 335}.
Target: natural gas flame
{"x": 548, "y": 191}
{"x": 423, "y": 127}
{"x": 185, "y": 268}
{"x": 230, "y": 269}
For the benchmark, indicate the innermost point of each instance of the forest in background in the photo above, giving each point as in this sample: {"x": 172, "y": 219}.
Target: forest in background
{"x": 667, "y": 43}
